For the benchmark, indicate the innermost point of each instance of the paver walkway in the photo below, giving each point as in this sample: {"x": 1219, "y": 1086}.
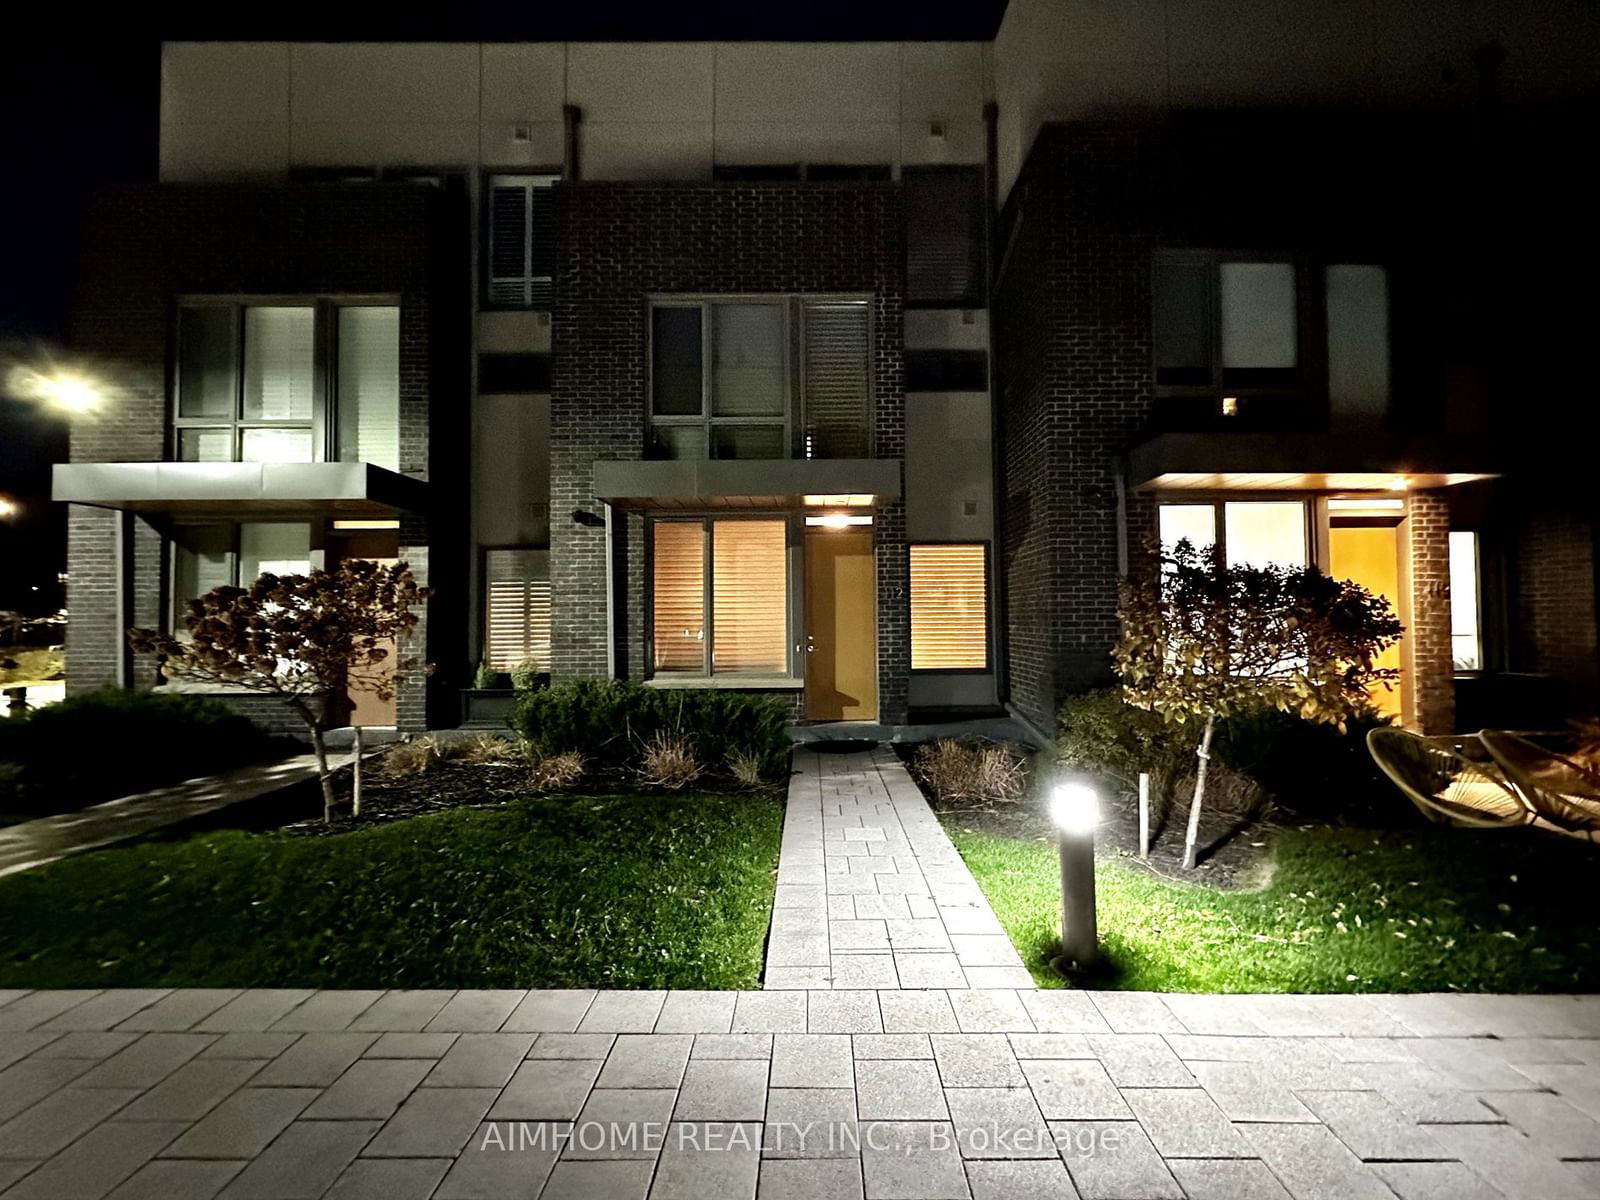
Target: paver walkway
{"x": 871, "y": 893}
{"x": 992, "y": 1094}
{"x": 34, "y": 843}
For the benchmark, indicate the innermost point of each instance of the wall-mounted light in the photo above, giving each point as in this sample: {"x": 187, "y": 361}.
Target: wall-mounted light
{"x": 66, "y": 391}
{"x": 1075, "y": 809}
{"x": 366, "y": 524}
{"x": 588, "y": 519}
{"x": 1230, "y": 406}
{"x": 1377, "y": 503}
{"x": 838, "y": 520}
{"x": 8, "y": 508}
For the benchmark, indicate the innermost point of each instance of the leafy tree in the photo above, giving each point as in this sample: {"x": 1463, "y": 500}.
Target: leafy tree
{"x": 1203, "y": 639}
{"x": 310, "y": 639}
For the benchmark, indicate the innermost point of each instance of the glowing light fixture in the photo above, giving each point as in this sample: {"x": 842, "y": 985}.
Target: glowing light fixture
{"x": 8, "y": 508}
{"x": 838, "y": 520}
{"x": 850, "y": 500}
{"x": 1230, "y": 406}
{"x": 366, "y": 524}
{"x": 68, "y": 391}
{"x": 1075, "y": 809}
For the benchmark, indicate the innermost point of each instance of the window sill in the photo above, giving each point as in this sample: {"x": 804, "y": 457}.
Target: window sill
{"x": 728, "y": 682}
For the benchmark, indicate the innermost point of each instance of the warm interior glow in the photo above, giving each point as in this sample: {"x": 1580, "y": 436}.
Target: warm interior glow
{"x": 838, "y": 520}
{"x": 949, "y": 608}
{"x": 1230, "y": 406}
{"x": 1376, "y": 504}
{"x": 366, "y": 524}
{"x": 1075, "y": 809}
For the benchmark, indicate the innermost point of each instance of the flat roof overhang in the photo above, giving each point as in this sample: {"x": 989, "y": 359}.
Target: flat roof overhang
{"x": 246, "y": 489}
{"x": 742, "y": 483}
{"x": 1354, "y": 462}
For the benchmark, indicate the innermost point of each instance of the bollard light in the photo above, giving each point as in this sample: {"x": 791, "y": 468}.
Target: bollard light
{"x": 1075, "y": 809}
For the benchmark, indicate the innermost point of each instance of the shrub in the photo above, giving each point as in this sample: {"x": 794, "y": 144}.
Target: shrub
{"x": 485, "y": 748}
{"x": 970, "y": 771}
{"x": 668, "y": 761}
{"x": 1103, "y": 734}
{"x": 486, "y": 678}
{"x": 415, "y": 757}
{"x": 745, "y": 768}
{"x": 555, "y": 772}
{"x": 114, "y": 742}
{"x": 611, "y": 721}
{"x": 529, "y": 676}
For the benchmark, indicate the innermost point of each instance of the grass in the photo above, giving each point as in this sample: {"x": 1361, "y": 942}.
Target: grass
{"x": 626, "y": 891}
{"x": 1344, "y": 910}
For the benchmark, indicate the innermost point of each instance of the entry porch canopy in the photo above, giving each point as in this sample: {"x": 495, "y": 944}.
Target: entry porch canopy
{"x": 244, "y": 489}
{"x": 1356, "y": 462}
{"x": 747, "y": 483}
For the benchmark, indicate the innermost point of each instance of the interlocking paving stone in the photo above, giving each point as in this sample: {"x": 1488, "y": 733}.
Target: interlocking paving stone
{"x": 696, "y": 1012}
{"x": 432, "y": 1123}
{"x": 983, "y": 1060}
{"x": 770, "y": 1012}
{"x": 857, "y": 971}
{"x": 94, "y": 1044}
{"x": 35, "y": 1008}
{"x": 1467, "y": 1063}
{"x": 998, "y": 977}
{"x": 244, "y": 1124}
{"x": 1227, "y": 1179}
{"x": 1140, "y": 1060}
{"x": 148, "y": 1061}
{"x": 899, "y": 1090}
{"x": 178, "y": 1179}
{"x": 402, "y": 1011}
{"x": 250, "y": 1045}
{"x": 572, "y": 1045}
{"x": 917, "y": 1012}
{"x": 97, "y": 1162}
{"x": 480, "y": 1060}
{"x": 1185, "y": 1123}
{"x": 892, "y": 1045}
{"x": 597, "y": 1181}
{"x": 1313, "y": 1164}
{"x": 794, "y": 979}
{"x": 813, "y": 1179}
{"x": 723, "y": 1090}
{"x": 1247, "y": 1092}
{"x": 1020, "y": 1179}
{"x": 732, "y": 1045}
{"x": 193, "y": 1090}
{"x": 546, "y": 1089}
{"x": 391, "y": 1179}
{"x": 1135, "y": 1012}
{"x": 1549, "y": 1120}
{"x": 642, "y": 1115}
{"x": 815, "y": 1060}
{"x": 327, "y": 1012}
{"x": 905, "y": 1160}
{"x": 1112, "y": 1160}
{"x": 999, "y": 1123}
{"x": 1050, "y": 1045}
{"x": 24, "y": 1083}
{"x": 646, "y": 1060}
{"x": 316, "y": 1060}
{"x": 56, "y": 1121}
{"x": 410, "y": 1045}
{"x": 1074, "y": 1090}
{"x": 106, "y": 1009}
{"x": 179, "y": 1010}
{"x": 1063, "y": 1012}
{"x": 987, "y": 1011}
{"x": 252, "y": 1011}
{"x": 929, "y": 969}
{"x": 1372, "y": 1127}
{"x": 475, "y": 1012}
{"x": 1436, "y": 1181}
{"x": 708, "y": 1162}
{"x": 811, "y": 1123}
{"x": 371, "y": 1089}
{"x": 17, "y": 1045}
{"x": 843, "y": 1012}
{"x": 1578, "y": 1086}
{"x": 1512, "y": 1162}
{"x": 304, "y": 1161}
{"x": 555, "y": 1011}
{"x": 495, "y": 1165}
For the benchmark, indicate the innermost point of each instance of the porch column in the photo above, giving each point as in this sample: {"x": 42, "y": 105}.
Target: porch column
{"x": 1427, "y": 645}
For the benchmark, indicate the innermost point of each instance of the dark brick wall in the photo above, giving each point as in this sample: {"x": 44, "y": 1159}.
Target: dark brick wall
{"x": 625, "y": 242}
{"x": 1553, "y": 605}
{"x": 145, "y": 247}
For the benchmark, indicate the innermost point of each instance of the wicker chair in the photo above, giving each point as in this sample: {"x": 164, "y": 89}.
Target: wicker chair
{"x": 1562, "y": 791}
{"x": 1452, "y": 780}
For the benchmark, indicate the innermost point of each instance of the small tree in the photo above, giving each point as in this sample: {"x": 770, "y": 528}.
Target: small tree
{"x": 1203, "y": 639}
{"x": 310, "y": 639}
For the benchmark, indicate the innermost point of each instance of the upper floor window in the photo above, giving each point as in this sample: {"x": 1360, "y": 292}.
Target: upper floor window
{"x": 288, "y": 382}
{"x": 944, "y": 237}
{"x": 520, "y": 241}
{"x": 760, "y": 377}
{"x": 1357, "y": 296}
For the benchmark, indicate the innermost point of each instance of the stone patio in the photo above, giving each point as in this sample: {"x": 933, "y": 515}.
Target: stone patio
{"x": 871, "y": 893}
{"x": 993, "y": 1094}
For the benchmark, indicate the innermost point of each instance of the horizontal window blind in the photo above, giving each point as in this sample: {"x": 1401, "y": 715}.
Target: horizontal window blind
{"x": 522, "y": 239}
{"x": 944, "y": 236}
{"x": 949, "y": 608}
{"x": 279, "y": 363}
{"x": 838, "y": 387}
{"x": 749, "y": 597}
{"x": 369, "y": 385}
{"x": 679, "y": 596}
{"x": 517, "y": 609}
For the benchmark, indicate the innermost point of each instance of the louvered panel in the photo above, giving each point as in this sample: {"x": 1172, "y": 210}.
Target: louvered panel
{"x": 517, "y": 613}
{"x": 949, "y": 608}
{"x": 542, "y": 243}
{"x": 838, "y": 379}
{"x": 679, "y": 596}
{"x": 944, "y": 236}
{"x": 749, "y": 597}
{"x": 508, "y": 243}
{"x": 279, "y": 362}
{"x": 369, "y": 385}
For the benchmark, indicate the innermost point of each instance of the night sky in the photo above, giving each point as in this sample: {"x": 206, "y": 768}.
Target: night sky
{"x": 77, "y": 115}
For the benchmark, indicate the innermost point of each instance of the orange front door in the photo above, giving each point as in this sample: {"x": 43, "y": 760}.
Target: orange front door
{"x": 841, "y": 626}
{"x": 1370, "y": 555}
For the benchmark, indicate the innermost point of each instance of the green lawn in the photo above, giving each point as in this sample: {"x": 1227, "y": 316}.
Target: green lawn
{"x": 1344, "y": 911}
{"x": 614, "y": 891}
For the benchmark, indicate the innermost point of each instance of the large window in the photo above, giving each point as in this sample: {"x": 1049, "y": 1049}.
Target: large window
{"x": 720, "y": 596}
{"x": 1466, "y": 623}
{"x": 223, "y": 554}
{"x": 1251, "y": 532}
{"x": 759, "y": 378}
{"x": 949, "y": 608}
{"x": 1358, "y": 341}
{"x": 520, "y": 241}
{"x": 288, "y": 382}
{"x": 944, "y": 236}
{"x": 517, "y": 609}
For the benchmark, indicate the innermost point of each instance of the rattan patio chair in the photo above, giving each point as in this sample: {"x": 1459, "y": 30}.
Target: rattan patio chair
{"x": 1562, "y": 791}
{"x": 1452, "y": 780}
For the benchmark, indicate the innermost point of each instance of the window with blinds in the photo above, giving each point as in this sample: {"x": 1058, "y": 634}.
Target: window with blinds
{"x": 741, "y": 568}
{"x": 517, "y": 609}
{"x": 838, "y": 382}
{"x": 521, "y": 238}
{"x": 369, "y": 385}
{"x": 949, "y": 608}
{"x": 944, "y": 236}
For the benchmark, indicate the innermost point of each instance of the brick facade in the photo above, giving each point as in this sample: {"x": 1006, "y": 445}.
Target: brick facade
{"x": 146, "y": 247}
{"x": 1553, "y": 625}
{"x": 1427, "y": 652}
{"x": 621, "y": 244}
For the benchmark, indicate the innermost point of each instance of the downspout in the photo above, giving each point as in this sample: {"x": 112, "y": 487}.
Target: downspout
{"x": 571, "y": 160}
{"x": 611, "y": 597}
{"x": 1119, "y": 475}
{"x": 122, "y": 546}
{"x": 991, "y": 163}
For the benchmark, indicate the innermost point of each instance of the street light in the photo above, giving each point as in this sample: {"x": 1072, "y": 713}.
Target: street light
{"x": 1075, "y": 809}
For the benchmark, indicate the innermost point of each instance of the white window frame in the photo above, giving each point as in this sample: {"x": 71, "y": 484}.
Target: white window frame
{"x": 1219, "y": 524}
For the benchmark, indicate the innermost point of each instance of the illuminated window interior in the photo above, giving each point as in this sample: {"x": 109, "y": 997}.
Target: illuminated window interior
{"x": 1466, "y": 633}
{"x": 745, "y": 563}
{"x": 517, "y": 611}
{"x": 1254, "y": 532}
{"x": 949, "y": 608}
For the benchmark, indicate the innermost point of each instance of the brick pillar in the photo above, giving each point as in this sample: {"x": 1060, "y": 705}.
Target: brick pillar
{"x": 1427, "y": 647}
{"x": 411, "y": 688}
